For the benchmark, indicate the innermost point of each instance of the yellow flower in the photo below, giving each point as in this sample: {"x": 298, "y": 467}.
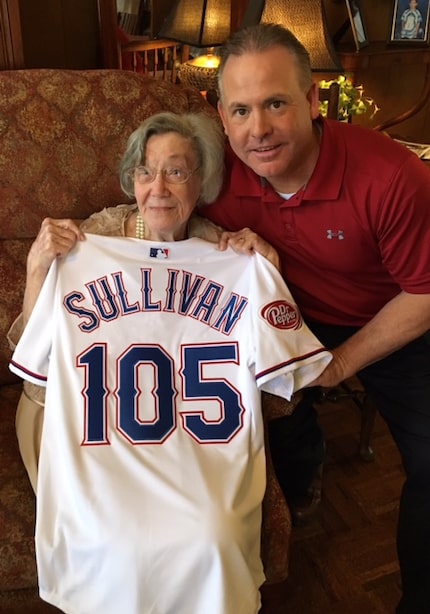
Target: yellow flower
{"x": 351, "y": 99}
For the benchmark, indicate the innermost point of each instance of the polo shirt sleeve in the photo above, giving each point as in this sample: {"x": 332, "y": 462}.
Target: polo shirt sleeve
{"x": 403, "y": 226}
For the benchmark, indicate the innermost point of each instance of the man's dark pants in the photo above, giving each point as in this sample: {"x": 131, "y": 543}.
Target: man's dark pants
{"x": 400, "y": 387}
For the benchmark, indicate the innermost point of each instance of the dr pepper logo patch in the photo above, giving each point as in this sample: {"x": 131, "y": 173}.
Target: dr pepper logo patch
{"x": 283, "y": 315}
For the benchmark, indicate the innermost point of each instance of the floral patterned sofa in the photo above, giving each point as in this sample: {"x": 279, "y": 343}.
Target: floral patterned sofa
{"x": 61, "y": 136}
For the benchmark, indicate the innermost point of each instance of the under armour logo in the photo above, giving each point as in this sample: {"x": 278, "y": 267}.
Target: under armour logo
{"x": 331, "y": 234}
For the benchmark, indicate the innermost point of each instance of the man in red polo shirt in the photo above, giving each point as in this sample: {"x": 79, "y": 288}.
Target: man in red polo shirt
{"x": 348, "y": 210}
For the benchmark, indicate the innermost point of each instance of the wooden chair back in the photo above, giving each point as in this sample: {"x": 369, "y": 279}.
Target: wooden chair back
{"x": 155, "y": 58}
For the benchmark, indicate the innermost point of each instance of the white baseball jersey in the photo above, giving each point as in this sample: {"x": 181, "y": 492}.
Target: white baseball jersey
{"x": 152, "y": 465}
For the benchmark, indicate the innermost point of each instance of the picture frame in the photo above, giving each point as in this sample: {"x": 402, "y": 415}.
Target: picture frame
{"x": 357, "y": 23}
{"x": 410, "y": 24}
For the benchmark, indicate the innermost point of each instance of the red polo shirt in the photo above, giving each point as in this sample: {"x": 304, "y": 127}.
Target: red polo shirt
{"x": 354, "y": 237}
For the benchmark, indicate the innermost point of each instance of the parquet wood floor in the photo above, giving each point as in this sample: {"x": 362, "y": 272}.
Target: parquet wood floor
{"x": 345, "y": 562}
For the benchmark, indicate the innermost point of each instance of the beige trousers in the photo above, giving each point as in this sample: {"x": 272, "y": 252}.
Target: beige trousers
{"x": 28, "y": 424}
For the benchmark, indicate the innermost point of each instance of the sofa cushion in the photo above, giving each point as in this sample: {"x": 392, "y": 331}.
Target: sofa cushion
{"x": 13, "y": 255}
{"x": 62, "y": 134}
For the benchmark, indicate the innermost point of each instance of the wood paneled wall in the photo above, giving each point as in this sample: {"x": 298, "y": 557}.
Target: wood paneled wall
{"x": 11, "y": 51}
{"x": 60, "y": 33}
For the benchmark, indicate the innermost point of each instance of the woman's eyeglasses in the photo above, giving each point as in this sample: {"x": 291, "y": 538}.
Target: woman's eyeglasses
{"x": 175, "y": 175}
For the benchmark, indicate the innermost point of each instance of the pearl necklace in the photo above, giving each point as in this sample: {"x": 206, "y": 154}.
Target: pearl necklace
{"x": 140, "y": 227}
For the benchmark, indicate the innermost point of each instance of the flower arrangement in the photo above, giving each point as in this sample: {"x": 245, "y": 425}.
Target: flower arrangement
{"x": 351, "y": 99}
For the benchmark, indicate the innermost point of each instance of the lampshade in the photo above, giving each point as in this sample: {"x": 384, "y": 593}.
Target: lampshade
{"x": 307, "y": 20}
{"x": 199, "y": 23}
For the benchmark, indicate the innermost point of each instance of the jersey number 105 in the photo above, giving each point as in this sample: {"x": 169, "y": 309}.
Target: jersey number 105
{"x": 194, "y": 387}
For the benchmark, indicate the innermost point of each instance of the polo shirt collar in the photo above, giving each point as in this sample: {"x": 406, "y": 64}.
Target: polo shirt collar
{"x": 327, "y": 178}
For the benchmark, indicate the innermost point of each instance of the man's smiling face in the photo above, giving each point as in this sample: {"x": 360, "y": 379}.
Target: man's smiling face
{"x": 267, "y": 114}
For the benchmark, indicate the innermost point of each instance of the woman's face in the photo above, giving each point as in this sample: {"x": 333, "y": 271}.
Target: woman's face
{"x": 166, "y": 207}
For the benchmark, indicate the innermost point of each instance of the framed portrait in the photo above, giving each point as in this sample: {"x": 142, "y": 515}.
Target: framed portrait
{"x": 357, "y": 23}
{"x": 410, "y": 22}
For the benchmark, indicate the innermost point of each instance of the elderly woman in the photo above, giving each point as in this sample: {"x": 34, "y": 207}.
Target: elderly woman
{"x": 188, "y": 150}
{"x": 153, "y": 351}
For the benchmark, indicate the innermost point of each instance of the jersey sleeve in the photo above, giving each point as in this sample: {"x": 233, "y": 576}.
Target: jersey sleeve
{"x": 288, "y": 356}
{"x": 30, "y": 360}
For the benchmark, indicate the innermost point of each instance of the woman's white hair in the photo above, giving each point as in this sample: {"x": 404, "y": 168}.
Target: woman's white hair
{"x": 207, "y": 140}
